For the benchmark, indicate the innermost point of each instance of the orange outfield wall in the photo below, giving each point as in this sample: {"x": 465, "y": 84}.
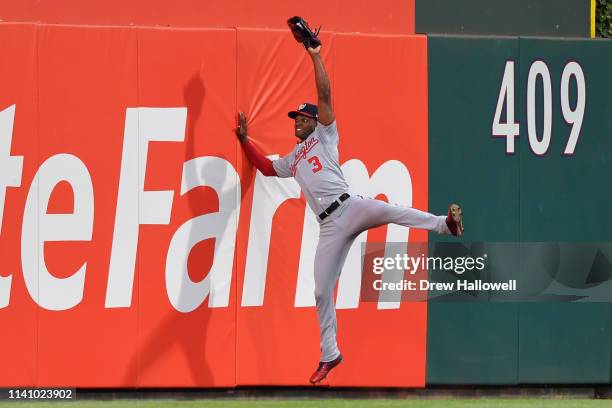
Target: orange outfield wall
{"x": 70, "y": 87}
{"x": 362, "y": 16}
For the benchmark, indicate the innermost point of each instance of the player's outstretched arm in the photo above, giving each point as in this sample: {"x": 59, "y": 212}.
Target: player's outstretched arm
{"x": 257, "y": 158}
{"x": 326, "y": 111}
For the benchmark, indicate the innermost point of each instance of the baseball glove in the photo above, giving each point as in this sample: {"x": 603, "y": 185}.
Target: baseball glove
{"x": 302, "y": 32}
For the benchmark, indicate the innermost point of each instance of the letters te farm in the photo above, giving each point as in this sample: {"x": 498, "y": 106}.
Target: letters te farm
{"x": 136, "y": 207}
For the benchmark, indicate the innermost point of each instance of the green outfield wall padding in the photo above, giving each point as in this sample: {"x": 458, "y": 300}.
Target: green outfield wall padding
{"x": 471, "y": 343}
{"x": 565, "y": 343}
{"x": 567, "y": 198}
{"x": 537, "y": 194}
{"x": 569, "y": 18}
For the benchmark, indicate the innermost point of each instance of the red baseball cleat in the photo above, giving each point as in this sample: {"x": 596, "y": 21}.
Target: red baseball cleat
{"x": 454, "y": 220}
{"x": 324, "y": 369}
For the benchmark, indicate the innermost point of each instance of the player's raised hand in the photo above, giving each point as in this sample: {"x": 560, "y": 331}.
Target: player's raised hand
{"x": 241, "y": 129}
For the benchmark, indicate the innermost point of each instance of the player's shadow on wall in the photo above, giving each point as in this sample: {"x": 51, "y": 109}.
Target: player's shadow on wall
{"x": 170, "y": 334}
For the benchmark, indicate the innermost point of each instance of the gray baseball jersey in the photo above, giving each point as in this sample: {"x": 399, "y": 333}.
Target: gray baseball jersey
{"x": 314, "y": 164}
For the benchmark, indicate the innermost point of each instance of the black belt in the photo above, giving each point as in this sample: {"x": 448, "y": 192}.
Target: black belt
{"x": 333, "y": 206}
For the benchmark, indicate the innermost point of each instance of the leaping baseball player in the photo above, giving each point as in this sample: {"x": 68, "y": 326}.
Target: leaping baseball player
{"x": 342, "y": 216}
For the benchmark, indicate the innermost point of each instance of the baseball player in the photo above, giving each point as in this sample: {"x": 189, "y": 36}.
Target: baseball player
{"x": 313, "y": 162}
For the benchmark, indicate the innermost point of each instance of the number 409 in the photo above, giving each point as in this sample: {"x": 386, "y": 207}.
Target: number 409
{"x": 573, "y": 117}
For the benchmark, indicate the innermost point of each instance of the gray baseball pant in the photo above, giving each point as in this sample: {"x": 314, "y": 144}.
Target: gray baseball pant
{"x": 336, "y": 236}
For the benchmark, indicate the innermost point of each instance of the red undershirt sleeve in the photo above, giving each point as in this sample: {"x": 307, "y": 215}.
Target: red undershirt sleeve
{"x": 257, "y": 158}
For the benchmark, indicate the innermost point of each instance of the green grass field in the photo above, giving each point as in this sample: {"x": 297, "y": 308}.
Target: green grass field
{"x": 316, "y": 403}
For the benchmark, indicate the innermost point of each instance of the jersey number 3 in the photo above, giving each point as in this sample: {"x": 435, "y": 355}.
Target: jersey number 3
{"x": 316, "y": 164}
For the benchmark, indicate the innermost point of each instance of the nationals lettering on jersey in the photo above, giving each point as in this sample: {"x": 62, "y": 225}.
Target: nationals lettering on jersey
{"x": 315, "y": 166}
{"x": 306, "y": 147}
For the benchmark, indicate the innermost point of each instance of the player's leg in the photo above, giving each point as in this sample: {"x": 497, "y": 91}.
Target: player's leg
{"x": 329, "y": 258}
{"x": 366, "y": 213}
